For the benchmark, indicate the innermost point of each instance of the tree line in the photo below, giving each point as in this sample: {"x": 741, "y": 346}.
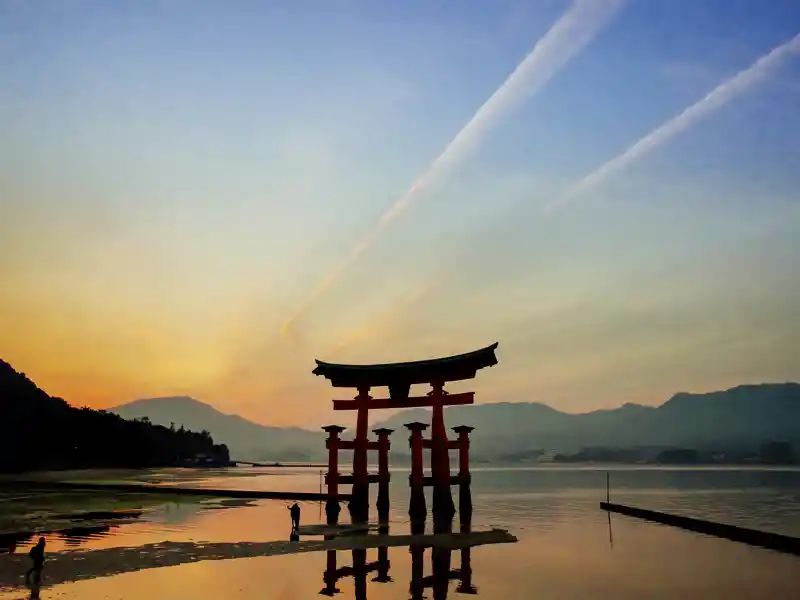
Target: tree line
{"x": 39, "y": 432}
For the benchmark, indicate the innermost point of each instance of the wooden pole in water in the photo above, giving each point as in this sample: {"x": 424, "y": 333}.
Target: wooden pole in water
{"x": 608, "y": 487}
{"x": 416, "y": 508}
{"x": 359, "y": 501}
{"x": 440, "y": 461}
{"x": 464, "y": 477}
{"x": 383, "y": 473}
{"x": 332, "y": 507}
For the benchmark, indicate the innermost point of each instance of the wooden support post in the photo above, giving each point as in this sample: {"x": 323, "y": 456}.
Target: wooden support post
{"x": 329, "y": 577}
{"x": 464, "y": 476}
{"x": 360, "y": 574}
{"x": 383, "y": 566}
{"x": 417, "y": 585}
{"x": 416, "y": 509}
{"x": 383, "y": 473}
{"x": 440, "y": 559}
{"x": 332, "y": 507}
{"x": 359, "y": 503}
{"x": 465, "y": 585}
{"x": 465, "y": 571}
{"x": 443, "y": 506}
{"x": 383, "y": 558}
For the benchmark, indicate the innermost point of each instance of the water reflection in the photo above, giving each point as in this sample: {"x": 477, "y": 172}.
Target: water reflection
{"x": 10, "y": 541}
{"x": 75, "y": 536}
{"x": 438, "y": 581}
{"x": 563, "y": 550}
{"x": 359, "y": 569}
{"x": 83, "y": 564}
{"x": 71, "y": 536}
{"x": 545, "y": 498}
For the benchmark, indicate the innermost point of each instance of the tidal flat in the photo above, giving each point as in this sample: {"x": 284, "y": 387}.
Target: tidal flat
{"x": 552, "y": 541}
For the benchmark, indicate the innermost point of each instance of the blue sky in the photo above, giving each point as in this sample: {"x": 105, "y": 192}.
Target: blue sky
{"x": 177, "y": 177}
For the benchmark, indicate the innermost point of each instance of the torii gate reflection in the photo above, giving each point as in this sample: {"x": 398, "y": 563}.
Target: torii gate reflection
{"x": 359, "y": 570}
{"x": 439, "y": 581}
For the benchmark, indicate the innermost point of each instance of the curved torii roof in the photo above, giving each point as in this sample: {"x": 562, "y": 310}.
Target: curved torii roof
{"x": 449, "y": 368}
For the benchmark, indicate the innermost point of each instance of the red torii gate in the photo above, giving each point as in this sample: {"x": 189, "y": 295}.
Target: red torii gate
{"x": 399, "y": 377}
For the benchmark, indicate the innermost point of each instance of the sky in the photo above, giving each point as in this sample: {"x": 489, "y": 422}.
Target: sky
{"x": 200, "y": 197}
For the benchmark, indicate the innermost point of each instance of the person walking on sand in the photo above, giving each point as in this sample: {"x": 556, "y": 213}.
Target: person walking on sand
{"x": 294, "y": 512}
{"x": 37, "y": 556}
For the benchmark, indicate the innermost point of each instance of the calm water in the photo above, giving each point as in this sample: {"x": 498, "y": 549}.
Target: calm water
{"x": 566, "y": 547}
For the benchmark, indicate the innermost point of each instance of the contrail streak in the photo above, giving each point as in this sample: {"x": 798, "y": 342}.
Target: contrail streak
{"x": 568, "y": 36}
{"x": 714, "y": 100}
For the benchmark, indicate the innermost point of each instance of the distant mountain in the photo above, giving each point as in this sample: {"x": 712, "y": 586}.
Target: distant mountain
{"x": 246, "y": 440}
{"x": 742, "y": 416}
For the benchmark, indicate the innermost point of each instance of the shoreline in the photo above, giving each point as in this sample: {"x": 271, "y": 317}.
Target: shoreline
{"x": 166, "y": 490}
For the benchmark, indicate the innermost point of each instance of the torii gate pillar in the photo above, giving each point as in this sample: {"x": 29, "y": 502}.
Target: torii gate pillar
{"x": 383, "y": 473}
{"x": 359, "y": 502}
{"x": 417, "y": 510}
{"x": 332, "y": 508}
{"x": 464, "y": 476}
{"x": 440, "y": 459}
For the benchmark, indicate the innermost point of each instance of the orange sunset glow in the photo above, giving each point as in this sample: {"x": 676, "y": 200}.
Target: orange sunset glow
{"x": 203, "y": 211}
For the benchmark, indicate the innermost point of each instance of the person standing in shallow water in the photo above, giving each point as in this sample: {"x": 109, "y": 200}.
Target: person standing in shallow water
{"x": 294, "y": 512}
{"x": 37, "y": 556}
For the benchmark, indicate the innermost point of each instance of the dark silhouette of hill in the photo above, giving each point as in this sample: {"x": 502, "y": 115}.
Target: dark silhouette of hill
{"x": 246, "y": 440}
{"x": 744, "y": 416}
{"x": 38, "y": 431}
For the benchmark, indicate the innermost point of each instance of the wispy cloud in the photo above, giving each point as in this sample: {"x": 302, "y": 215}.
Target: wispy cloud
{"x": 568, "y": 36}
{"x": 737, "y": 85}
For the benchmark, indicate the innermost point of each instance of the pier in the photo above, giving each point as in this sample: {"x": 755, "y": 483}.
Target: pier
{"x": 752, "y": 537}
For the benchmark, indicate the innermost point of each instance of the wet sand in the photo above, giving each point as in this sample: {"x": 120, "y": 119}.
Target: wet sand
{"x": 77, "y": 565}
{"x": 44, "y": 512}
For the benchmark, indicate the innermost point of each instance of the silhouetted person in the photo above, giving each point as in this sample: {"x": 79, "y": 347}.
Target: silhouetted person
{"x": 37, "y": 556}
{"x": 294, "y": 511}
{"x": 294, "y": 536}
